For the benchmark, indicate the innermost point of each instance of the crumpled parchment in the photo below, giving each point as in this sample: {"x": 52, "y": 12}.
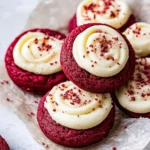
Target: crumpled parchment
{"x": 126, "y": 134}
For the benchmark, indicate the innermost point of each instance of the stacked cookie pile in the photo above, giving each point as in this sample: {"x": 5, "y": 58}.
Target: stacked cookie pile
{"x": 102, "y": 62}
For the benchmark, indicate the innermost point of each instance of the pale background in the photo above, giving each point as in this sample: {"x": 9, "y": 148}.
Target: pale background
{"x": 13, "y": 18}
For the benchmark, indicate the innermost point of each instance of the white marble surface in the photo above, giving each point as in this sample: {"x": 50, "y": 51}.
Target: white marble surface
{"x": 13, "y": 18}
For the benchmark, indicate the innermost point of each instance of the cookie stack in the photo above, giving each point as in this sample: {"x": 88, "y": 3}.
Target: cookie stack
{"x": 85, "y": 73}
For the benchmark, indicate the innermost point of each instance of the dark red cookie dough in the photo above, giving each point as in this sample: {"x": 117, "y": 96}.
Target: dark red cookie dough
{"x": 28, "y": 81}
{"x": 73, "y": 23}
{"x": 70, "y": 137}
{"x": 129, "y": 113}
{"x": 3, "y": 144}
{"x": 84, "y": 79}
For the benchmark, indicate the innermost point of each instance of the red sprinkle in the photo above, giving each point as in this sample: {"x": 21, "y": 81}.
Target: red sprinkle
{"x": 69, "y": 95}
{"x": 88, "y": 52}
{"x": 130, "y": 92}
{"x": 115, "y": 38}
{"x": 91, "y": 46}
{"x": 110, "y": 58}
{"x": 36, "y": 41}
{"x": 112, "y": 14}
{"x": 54, "y": 109}
{"x": 133, "y": 99}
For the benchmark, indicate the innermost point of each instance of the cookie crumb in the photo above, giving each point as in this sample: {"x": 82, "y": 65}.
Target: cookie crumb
{"x": 125, "y": 127}
{"x": 8, "y": 100}
{"x": 114, "y": 148}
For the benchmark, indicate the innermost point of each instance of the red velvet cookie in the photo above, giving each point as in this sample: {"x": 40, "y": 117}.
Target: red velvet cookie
{"x": 133, "y": 98}
{"x": 3, "y": 144}
{"x": 29, "y": 81}
{"x": 130, "y": 113}
{"x": 73, "y": 23}
{"x": 66, "y": 136}
{"x": 82, "y": 77}
{"x": 112, "y": 12}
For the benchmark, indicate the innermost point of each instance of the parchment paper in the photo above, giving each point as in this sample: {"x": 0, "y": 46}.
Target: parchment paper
{"x": 127, "y": 133}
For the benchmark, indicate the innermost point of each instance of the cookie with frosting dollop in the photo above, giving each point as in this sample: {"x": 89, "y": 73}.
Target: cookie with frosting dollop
{"x": 97, "y": 58}
{"x": 134, "y": 97}
{"x": 33, "y": 60}
{"x": 115, "y": 13}
{"x": 139, "y": 36}
{"x": 72, "y": 117}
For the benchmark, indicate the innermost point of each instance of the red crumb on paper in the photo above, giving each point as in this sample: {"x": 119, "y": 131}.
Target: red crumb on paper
{"x": 125, "y": 126}
{"x": 31, "y": 114}
{"x": 114, "y": 148}
{"x": 36, "y": 102}
{"x": 4, "y": 82}
{"x": 8, "y": 100}
{"x": 47, "y": 146}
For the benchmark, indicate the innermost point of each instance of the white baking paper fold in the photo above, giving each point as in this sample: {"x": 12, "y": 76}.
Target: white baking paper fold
{"x": 126, "y": 134}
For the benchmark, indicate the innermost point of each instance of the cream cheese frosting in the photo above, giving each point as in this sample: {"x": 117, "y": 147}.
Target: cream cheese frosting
{"x": 135, "y": 95}
{"x": 102, "y": 51}
{"x": 112, "y": 12}
{"x": 139, "y": 36}
{"x": 38, "y": 53}
{"x": 75, "y": 108}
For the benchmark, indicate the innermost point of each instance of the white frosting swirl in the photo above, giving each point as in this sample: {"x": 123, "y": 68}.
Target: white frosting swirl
{"x": 139, "y": 36}
{"x": 75, "y": 108}
{"x": 135, "y": 95}
{"x": 102, "y": 51}
{"x": 113, "y": 12}
{"x": 38, "y": 53}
